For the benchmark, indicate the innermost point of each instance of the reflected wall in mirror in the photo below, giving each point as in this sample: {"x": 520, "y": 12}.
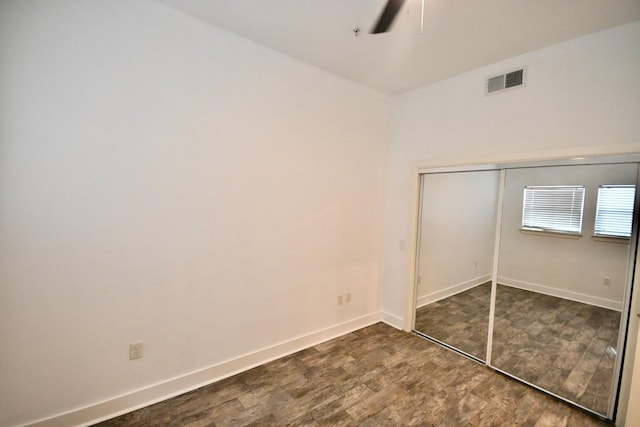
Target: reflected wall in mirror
{"x": 560, "y": 294}
{"x": 455, "y": 258}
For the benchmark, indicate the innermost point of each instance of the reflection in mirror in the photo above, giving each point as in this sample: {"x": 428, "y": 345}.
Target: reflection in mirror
{"x": 561, "y": 280}
{"x": 455, "y": 258}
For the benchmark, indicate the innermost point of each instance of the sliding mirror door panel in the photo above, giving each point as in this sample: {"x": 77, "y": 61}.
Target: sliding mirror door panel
{"x": 562, "y": 278}
{"x": 455, "y": 258}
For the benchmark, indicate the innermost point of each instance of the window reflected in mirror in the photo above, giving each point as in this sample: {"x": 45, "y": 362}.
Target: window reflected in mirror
{"x": 561, "y": 285}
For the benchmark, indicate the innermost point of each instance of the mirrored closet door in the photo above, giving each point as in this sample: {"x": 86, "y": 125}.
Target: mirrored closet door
{"x": 562, "y": 275}
{"x": 457, "y": 237}
{"x": 564, "y": 235}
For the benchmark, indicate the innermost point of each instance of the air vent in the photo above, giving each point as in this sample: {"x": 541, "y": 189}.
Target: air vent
{"x": 513, "y": 79}
{"x": 495, "y": 84}
{"x": 505, "y": 81}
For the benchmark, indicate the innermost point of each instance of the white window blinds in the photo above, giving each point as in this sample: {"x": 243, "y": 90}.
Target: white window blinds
{"x": 553, "y": 208}
{"x": 614, "y": 211}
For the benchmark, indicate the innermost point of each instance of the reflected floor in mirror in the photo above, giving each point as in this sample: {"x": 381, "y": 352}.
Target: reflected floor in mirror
{"x": 376, "y": 376}
{"x": 563, "y": 346}
{"x": 460, "y": 321}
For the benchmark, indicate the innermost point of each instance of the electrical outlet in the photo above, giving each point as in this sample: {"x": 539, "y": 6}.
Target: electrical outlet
{"x": 135, "y": 350}
{"x": 349, "y": 297}
{"x": 340, "y": 299}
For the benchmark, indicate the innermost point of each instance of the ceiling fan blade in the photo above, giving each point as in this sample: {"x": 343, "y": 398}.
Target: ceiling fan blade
{"x": 387, "y": 16}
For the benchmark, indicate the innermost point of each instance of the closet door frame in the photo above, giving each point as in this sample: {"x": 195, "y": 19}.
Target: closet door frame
{"x": 617, "y": 394}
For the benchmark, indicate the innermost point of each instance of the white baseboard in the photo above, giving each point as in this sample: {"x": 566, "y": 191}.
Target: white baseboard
{"x": 158, "y": 392}
{"x": 392, "y": 320}
{"x": 561, "y": 293}
{"x": 452, "y": 290}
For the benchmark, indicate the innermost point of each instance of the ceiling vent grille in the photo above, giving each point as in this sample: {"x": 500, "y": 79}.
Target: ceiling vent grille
{"x": 510, "y": 80}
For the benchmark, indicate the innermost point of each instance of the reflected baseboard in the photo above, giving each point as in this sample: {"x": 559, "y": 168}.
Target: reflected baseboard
{"x": 561, "y": 293}
{"x": 451, "y": 290}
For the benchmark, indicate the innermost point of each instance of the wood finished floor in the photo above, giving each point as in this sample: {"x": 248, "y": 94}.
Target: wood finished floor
{"x": 462, "y": 320}
{"x": 563, "y": 346}
{"x": 376, "y": 376}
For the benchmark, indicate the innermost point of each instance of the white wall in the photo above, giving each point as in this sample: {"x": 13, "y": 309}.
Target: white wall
{"x": 457, "y": 232}
{"x": 632, "y": 379}
{"x": 566, "y": 267}
{"x": 165, "y": 181}
{"x": 169, "y": 182}
{"x": 580, "y": 95}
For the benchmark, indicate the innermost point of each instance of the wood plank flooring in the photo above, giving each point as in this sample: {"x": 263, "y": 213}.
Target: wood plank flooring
{"x": 563, "y": 346}
{"x": 461, "y": 320}
{"x": 376, "y": 376}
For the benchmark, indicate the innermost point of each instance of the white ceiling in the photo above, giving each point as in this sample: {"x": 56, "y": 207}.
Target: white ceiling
{"x": 459, "y": 35}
